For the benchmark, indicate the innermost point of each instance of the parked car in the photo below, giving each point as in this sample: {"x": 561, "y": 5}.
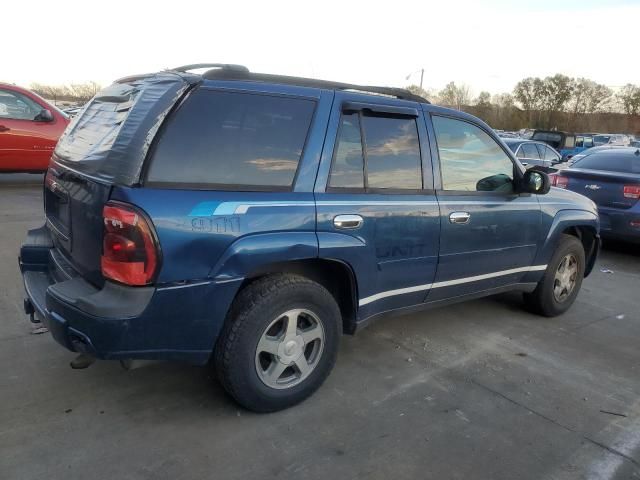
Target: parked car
{"x": 29, "y": 130}
{"x": 584, "y": 141}
{"x": 611, "y": 178}
{"x": 526, "y": 133}
{"x": 73, "y": 111}
{"x": 563, "y": 142}
{"x": 591, "y": 151}
{"x": 250, "y": 219}
{"x": 635, "y": 143}
{"x": 532, "y": 153}
{"x": 611, "y": 139}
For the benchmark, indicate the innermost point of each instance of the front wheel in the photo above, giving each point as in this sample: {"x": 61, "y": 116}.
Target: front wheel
{"x": 561, "y": 283}
{"x": 279, "y": 343}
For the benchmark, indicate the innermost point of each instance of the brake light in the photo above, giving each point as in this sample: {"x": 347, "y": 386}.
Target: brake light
{"x": 130, "y": 252}
{"x": 559, "y": 181}
{"x": 631, "y": 191}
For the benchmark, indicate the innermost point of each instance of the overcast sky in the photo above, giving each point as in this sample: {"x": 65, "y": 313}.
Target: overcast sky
{"x": 489, "y": 45}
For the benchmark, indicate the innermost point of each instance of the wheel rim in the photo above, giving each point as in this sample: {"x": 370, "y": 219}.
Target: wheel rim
{"x": 289, "y": 349}
{"x": 565, "y": 278}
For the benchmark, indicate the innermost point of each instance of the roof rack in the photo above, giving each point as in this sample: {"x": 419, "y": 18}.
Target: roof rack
{"x": 221, "y": 66}
{"x": 226, "y": 71}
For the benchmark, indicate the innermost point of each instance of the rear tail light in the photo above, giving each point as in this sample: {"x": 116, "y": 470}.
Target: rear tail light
{"x": 631, "y": 191}
{"x": 635, "y": 223}
{"x": 130, "y": 251}
{"x": 559, "y": 181}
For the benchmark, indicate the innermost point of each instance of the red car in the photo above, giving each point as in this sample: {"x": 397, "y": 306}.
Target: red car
{"x": 29, "y": 130}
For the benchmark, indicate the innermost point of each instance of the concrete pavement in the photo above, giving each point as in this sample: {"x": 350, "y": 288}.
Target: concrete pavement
{"x": 481, "y": 390}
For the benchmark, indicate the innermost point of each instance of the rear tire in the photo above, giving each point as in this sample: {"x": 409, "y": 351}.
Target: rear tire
{"x": 562, "y": 280}
{"x": 279, "y": 343}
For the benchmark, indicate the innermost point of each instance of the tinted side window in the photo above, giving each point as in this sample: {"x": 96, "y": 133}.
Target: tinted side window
{"x": 390, "y": 157}
{"x": 530, "y": 151}
{"x": 347, "y": 170}
{"x": 470, "y": 160}
{"x": 233, "y": 139}
{"x": 393, "y": 153}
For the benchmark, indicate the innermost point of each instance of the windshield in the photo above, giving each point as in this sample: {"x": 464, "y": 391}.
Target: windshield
{"x": 601, "y": 139}
{"x": 547, "y": 136}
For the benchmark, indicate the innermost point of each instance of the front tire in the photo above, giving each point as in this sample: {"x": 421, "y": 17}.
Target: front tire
{"x": 279, "y": 343}
{"x": 562, "y": 280}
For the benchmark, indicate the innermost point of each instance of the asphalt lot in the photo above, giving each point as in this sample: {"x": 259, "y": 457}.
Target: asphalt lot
{"x": 480, "y": 390}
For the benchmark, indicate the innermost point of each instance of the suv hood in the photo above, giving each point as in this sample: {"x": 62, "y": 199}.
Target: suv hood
{"x": 568, "y": 200}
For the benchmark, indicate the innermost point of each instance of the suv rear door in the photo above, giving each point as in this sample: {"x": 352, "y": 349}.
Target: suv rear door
{"x": 376, "y": 208}
{"x": 104, "y": 146}
{"x": 489, "y": 233}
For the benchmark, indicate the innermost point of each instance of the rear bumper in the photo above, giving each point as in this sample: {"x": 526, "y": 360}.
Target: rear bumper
{"x": 616, "y": 223}
{"x": 120, "y": 322}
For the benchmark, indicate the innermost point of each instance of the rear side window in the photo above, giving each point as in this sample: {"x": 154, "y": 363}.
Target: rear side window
{"x": 393, "y": 153}
{"x": 348, "y": 160}
{"x": 530, "y": 151}
{"x": 389, "y": 154}
{"x": 233, "y": 140}
{"x": 548, "y": 154}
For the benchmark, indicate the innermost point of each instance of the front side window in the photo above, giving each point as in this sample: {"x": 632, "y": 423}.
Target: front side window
{"x": 470, "y": 160}
{"x": 389, "y": 154}
{"x": 233, "y": 139}
{"x": 15, "y": 106}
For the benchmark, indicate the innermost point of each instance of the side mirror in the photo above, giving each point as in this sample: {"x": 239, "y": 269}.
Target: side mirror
{"x": 44, "y": 116}
{"x": 535, "y": 181}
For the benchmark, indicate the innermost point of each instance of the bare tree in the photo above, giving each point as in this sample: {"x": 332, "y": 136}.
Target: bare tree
{"x": 455, "y": 96}
{"x": 629, "y": 98}
{"x": 80, "y": 92}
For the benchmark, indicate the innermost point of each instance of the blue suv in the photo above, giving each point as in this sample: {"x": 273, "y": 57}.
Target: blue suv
{"x": 248, "y": 220}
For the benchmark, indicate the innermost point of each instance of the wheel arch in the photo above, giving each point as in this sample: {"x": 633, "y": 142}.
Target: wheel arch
{"x": 588, "y": 236}
{"x": 582, "y": 224}
{"x": 334, "y": 275}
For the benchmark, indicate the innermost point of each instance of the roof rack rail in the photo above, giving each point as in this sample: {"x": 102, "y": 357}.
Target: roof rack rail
{"x": 223, "y": 71}
{"x": 222, "y": 66}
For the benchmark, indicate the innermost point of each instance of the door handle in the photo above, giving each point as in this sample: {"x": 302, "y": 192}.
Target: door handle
{"x": 348, "y": 221}
{"x": 4, "y": 129}
{"x": 460, "y": 217}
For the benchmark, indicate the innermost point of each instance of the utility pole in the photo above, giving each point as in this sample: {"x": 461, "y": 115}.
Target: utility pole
{"x": 421, "y": 76}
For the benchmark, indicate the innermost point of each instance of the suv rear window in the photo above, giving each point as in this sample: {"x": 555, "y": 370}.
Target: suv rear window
{"x": 109, "y": 139}
{"x": 227, "y": 140}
